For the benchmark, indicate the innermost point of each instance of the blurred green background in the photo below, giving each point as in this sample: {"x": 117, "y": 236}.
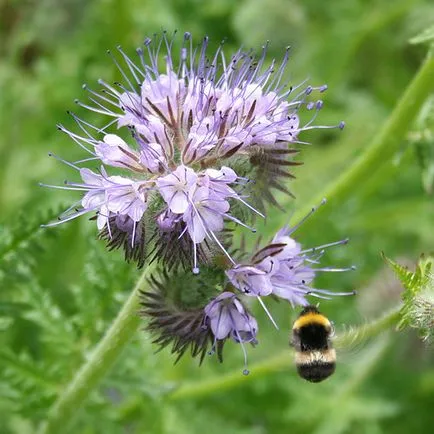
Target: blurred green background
{"x": 60, "y": 289}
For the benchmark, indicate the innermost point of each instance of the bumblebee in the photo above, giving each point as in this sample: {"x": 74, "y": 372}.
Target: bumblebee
{"x": 315, "y": 357}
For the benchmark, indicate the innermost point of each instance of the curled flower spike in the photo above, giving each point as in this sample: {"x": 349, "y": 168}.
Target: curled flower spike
{"x": 180, "y": 317}
{"x": 184, "y": 330}
{"x": 122, "y": 231}
{"x": 210, "y": 138}
{"x": 284, "y": 269}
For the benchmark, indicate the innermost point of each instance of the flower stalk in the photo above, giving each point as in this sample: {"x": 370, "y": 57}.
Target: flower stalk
{"x": 105, "y": 354}
{"x": 282, "y": 360}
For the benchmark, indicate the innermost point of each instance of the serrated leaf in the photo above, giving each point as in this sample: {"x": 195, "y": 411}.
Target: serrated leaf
{"x": 413, "y": 282}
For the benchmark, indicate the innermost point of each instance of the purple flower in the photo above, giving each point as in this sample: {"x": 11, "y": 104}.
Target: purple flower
{"x": 108, "y": 196}
{"x": 113, "y": 194}
{"x": 167, "y": 220}
{"x": 250, "y": 280}
{"x": 204, "y": 215}
{"x": 229, "y": 318}
{"x": 113, "y": 151}
{"x": 199, "y": 130}
{"x": 176, "y": 188}
{"x": 219, "y": 181}
{"x": 227, "y": 106}
{"x": 284, "y": 269}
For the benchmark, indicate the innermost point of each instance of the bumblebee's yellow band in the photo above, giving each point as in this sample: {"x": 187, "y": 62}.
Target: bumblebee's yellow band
{"x": 311, "y": 357}
{"x": 311, "y": 318}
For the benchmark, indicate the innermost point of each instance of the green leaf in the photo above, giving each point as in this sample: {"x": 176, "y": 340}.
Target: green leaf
{"x": 412, "y": 281}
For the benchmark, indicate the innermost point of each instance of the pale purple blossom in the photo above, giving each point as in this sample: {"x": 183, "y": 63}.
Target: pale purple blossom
{"x": 113, "y": 151}
{"x": 201, "y": 200}
{"x": 206, "y": 106}
{"x": 284, "y": 269}
{"x": 115, "y": 194}
{"x": 229, "y": 318}
{"x": 219, "y": 180}
{"x": 251, "y": 280}
{"x": 108, "y": 196}
{"x": 239, "y": 109}
{"x": 167, "y": 220}
{"x": 176, "y": 188}
{"x": 186, "y": 123}
{"x": 205, "y": 213}
{"x": 126, "y": 197}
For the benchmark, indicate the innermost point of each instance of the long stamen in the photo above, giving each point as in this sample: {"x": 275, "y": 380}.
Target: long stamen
{"x": 333, "y": 270}
{"x": 195, "y": 268}
{"x": 267, "y": 312}
{"x": 211, "y": 234}
{"x": 50, "y": 154}
{"x": 109, "y": 228}
{"x": 121, "y": 70}
{"x": 105, "y": 112}
{"x": 315, "y": 291}
{"x": 325, "y": 246}
{"x": 62, "y": 187}
{"x": 234, "y": 219}
{"x": 249, "y": 206}
{"x": 73, "y": 216}
{"x": 85, "y": 160}
{"x": 312, "y": 211}
{"x": 133, "y": 235}
{"x": 241, "y": 342}
{"x": 102, "y": 97}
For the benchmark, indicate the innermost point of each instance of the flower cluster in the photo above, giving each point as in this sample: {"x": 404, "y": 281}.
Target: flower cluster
{"x": 199, "y": 132}
{"x": 189, "y": 151}
{"x": 283, "y": 268}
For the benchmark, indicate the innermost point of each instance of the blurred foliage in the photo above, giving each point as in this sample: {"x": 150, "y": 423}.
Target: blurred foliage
{"x": 60, "y": 289}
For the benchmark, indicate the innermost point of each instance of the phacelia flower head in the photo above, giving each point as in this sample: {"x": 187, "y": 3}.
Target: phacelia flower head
{"x": 285, "y": 269}
{"x": 189, "y": 147}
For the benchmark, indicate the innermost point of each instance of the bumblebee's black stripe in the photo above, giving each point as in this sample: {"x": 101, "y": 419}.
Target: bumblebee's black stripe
{"x": 311, "y": 337}
{"x": 317, "y": 371}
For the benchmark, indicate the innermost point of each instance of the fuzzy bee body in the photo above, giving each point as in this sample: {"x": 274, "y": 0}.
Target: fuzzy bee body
{"x": 315, "y": 357}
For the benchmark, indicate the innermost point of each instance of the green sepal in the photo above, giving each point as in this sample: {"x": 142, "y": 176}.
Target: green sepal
{"x": 416, "y": 285}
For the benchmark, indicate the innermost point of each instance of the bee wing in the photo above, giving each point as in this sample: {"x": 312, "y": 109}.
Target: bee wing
{"x": 348, "y": 342}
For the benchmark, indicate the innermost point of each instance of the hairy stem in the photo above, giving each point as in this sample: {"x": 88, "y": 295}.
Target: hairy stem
{"x": 385, "y": 144}
{"x": 283, "y": 360}
{"x": 99, "y": 363}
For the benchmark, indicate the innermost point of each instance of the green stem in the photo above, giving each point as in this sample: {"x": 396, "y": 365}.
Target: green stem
{"x": 385, "y": 144}
{"x": 99, "y": 363}
{"x": 283, "y": 360}
{"x": 367, "y": 331}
